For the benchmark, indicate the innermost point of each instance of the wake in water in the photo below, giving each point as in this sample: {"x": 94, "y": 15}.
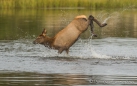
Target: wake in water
{"x": 22, "y": 55}
{"x": 108, "y": 48}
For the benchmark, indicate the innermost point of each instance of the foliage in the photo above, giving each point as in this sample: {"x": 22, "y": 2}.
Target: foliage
{"x": 89, "y": 4}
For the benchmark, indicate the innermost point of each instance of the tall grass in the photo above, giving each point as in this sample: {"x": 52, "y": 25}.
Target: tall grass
{"x": 25, "y": 4}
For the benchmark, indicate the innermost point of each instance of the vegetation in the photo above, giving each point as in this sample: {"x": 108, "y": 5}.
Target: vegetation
{"x": 89, "y": 4}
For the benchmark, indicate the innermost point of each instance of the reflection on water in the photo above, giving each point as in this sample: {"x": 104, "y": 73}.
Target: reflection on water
{"x": 35, "y": 79}
{"x": 16, "y": 24}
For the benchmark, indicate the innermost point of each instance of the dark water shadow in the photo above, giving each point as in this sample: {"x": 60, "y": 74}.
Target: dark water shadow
{"x": 32, "y": 79}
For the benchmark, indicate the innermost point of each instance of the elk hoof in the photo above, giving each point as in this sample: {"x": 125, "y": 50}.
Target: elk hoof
{"x": 104, "y": 24}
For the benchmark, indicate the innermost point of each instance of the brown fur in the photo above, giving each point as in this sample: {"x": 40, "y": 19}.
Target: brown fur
{"x": 64, "y": 39}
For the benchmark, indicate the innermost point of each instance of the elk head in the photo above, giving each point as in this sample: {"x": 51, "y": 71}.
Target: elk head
{"x": 41, "y": 39}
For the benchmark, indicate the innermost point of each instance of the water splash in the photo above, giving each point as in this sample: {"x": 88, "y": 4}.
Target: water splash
{"x": 109, "y": 48}
{"x": 114, "y": 15}
{"x": 93, "y": 51}
{"x": 105, "y": 21}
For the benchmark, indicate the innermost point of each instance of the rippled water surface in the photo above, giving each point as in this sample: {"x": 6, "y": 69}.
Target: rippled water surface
{"x": 35, "y": 79}
{"x": 110, "y": 59}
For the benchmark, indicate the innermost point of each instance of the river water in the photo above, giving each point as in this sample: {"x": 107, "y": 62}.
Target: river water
{"x": 110, "y": 59}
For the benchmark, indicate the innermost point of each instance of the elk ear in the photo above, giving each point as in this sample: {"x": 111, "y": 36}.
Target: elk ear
{"x": 44, "y": 32}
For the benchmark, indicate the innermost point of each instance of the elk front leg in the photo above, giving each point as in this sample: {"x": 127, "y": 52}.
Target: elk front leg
{"x": 60, "y": 50}
{"x": 67, "y": 51}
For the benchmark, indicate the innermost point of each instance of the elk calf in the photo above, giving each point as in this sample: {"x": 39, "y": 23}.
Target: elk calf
{"x": 65, "y": 38}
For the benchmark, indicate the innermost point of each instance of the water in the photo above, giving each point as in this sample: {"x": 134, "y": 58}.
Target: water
{"x": 34, "y": 79}
{"x": 110, "y": 59}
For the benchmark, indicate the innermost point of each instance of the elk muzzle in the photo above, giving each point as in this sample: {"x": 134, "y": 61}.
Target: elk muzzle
{"x": 34, "y": 42}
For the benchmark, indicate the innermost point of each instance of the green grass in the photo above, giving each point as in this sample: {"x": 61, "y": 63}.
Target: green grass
{"x": 96, "y": 4}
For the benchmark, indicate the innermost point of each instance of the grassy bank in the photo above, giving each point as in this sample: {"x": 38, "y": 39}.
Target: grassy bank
{"x": 25, "y": 4}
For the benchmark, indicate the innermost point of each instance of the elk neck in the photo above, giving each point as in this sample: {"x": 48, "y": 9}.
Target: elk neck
{"x": 48, "y": 41}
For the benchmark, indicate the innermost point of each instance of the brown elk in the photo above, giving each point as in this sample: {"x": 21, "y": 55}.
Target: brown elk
{"x": 65, "y": 38}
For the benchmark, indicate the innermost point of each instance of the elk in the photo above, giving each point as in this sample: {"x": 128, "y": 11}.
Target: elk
{"x": 65, "y": 38}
